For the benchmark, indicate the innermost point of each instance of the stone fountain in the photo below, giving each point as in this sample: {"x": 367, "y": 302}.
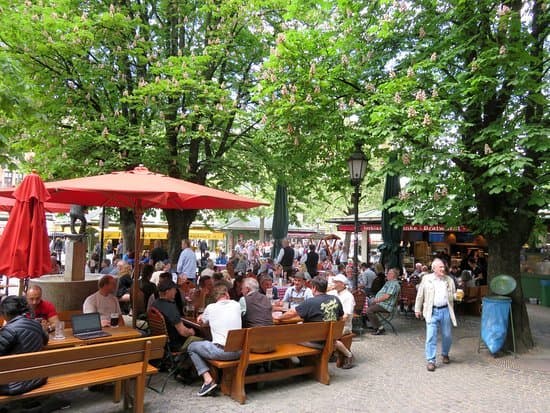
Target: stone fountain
{"x": 69, "y": 290}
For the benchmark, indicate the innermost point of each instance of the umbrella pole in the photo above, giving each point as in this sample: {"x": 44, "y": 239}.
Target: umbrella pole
{"x": 138, "y": 216}
{"x": 102, "y": 238}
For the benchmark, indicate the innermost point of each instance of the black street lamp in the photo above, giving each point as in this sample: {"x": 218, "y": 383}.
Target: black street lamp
{"x": 357, "y": 163}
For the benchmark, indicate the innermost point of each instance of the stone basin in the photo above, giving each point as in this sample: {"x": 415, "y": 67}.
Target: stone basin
{"x": 66, "y": 295}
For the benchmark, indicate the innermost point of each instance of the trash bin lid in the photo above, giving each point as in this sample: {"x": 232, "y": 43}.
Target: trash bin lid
{"x": 503, "y": 284}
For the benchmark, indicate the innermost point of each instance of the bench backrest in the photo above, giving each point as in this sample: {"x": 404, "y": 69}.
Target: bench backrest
{"x": 52, "y": 363}
{"x": 283, "y": 334}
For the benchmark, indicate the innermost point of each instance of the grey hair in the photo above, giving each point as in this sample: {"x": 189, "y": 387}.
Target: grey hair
{"x": 251, "y": 284}
{"x": 437, "y": 261}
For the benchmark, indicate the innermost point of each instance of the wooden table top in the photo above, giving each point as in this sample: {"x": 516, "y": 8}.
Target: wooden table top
{"x": 117, "y": 334}
{"x": 294, "y": 320}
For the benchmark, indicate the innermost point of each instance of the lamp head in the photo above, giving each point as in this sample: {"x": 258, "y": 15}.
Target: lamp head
{"x": 357, "y": 164}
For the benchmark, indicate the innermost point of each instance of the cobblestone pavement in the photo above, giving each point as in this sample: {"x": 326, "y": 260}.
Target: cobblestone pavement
{"x": 390, "y": 375}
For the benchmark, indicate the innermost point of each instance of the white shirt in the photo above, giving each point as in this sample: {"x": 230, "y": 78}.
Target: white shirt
{"x": 348, "y": 304}
{"x": 104, "y": 305}
{"x": 295, "y": 297}
{"x": 440, "y": 292}
{"x": 222, "y": 316}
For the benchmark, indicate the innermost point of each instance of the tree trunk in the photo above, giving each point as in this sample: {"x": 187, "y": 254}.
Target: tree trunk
{"x": 128, "y": 230}
{"x": 504, "y": 252}
{"x": 179, "y": 222}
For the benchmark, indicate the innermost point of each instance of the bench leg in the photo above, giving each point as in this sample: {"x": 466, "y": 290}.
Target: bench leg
{"x": 321, "y": 373}
{"x": 127, "y": 400}
{"x": 117, "y": 392}
{"x": 139, "y": 394}
{"x": 237, "y": 385}
{"x": 226, "y": 381}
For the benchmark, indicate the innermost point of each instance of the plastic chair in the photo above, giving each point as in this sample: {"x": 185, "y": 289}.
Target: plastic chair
{"x": 171, "y": 358}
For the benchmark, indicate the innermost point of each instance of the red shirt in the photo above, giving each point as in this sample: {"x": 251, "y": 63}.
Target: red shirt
{"x": 44, "y": 310}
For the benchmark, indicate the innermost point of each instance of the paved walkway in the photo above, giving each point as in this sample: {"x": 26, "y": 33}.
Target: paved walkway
{"x": 390, "y": 376}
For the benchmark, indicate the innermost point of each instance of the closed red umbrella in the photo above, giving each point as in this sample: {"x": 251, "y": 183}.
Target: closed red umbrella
{"x": 24, "y": 244}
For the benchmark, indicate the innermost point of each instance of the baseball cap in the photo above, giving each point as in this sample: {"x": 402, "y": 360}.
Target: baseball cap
{"x": 340, "y": 277}
{"x": 165, "y": 285}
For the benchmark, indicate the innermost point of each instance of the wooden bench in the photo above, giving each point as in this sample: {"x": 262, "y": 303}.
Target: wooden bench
{"x": 84, "y": 366}
{"x": 408, "y": 296}
{"x": 286, "y": 339}
{"x": 473, "y": 298}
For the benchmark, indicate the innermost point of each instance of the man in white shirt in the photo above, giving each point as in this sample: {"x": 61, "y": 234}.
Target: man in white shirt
{"x": 435, "y": 301}
{"x": 348, "y": 305}
{"x": 222, "y": 316}
{"x": 104, "y": 301}
{"x": 346, "y": 298}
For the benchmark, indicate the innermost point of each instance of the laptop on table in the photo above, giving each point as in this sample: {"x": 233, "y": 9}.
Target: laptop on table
{"x": 87, "y": 326}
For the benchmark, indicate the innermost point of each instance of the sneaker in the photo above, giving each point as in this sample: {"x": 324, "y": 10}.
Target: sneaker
{"x": 333, "y": 358}
{"x": 207, "y": 388}
{"x": 379, "y": 332}
{"x": 348, "y": 362}
{"x": 446, "y": 359}
{"x": 430, "y": 367}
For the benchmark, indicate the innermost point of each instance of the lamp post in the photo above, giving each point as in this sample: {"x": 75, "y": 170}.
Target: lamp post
{"x": 357, "y": 164}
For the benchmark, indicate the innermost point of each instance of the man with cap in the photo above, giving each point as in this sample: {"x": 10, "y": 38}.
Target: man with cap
{"x": 298, "y": 293}
{"x": 346, "y": 298}
{"x": 178, "y": 334}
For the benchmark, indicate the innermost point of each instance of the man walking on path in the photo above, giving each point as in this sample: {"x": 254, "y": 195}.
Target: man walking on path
{"x": 434, "y": 301}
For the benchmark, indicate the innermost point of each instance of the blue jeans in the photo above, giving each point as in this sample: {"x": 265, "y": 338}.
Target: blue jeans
{"x": 440, "y": 318}
{"x": 201, "y": 350}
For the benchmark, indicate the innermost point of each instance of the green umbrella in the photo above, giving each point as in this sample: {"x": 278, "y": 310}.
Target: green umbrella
{"x": 391, "y": 235}
{"x": 279, "y": 229}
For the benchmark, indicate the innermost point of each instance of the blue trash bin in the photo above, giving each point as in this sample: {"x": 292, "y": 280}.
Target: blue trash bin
{"x": 545, "y": 293}
{"x": 494, "y": 321}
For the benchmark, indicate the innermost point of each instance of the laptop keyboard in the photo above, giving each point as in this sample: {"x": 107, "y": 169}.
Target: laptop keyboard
{"x": 91, "y": 334}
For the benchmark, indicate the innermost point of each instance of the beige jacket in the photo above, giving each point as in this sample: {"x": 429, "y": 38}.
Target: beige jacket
{"x": 425, "y": 297}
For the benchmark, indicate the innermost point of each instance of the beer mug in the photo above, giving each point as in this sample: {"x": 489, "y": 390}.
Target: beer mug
{"x": 114, "y": 319}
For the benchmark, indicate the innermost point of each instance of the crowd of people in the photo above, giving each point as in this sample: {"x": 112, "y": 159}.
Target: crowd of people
{"x": 243, "y": 290}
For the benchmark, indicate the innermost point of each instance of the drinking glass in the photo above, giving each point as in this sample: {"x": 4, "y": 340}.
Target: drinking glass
{"x": 114, "y": 319}
{"x": 59, "y": 333}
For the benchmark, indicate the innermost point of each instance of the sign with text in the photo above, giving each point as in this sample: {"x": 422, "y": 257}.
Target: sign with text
{"x": 378, "y": 228}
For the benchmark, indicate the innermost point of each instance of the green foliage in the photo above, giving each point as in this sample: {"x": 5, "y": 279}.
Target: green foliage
{"x": 456, "y": 90}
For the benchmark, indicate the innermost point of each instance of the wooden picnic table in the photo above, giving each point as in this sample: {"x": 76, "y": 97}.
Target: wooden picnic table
{"x": 200, "y": 329}
{"x": 117, "y": 334}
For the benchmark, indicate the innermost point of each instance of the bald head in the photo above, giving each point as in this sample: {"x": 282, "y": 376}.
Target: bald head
{"x": 34, "y": 296}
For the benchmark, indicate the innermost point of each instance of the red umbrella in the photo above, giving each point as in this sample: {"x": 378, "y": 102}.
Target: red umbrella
{"x": 141, "y": 189}
{"x": 6, "y": 204}
{"x": 24, "y": 244}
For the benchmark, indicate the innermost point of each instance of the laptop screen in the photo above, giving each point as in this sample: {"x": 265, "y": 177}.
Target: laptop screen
{"x": 84, "y": 323}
